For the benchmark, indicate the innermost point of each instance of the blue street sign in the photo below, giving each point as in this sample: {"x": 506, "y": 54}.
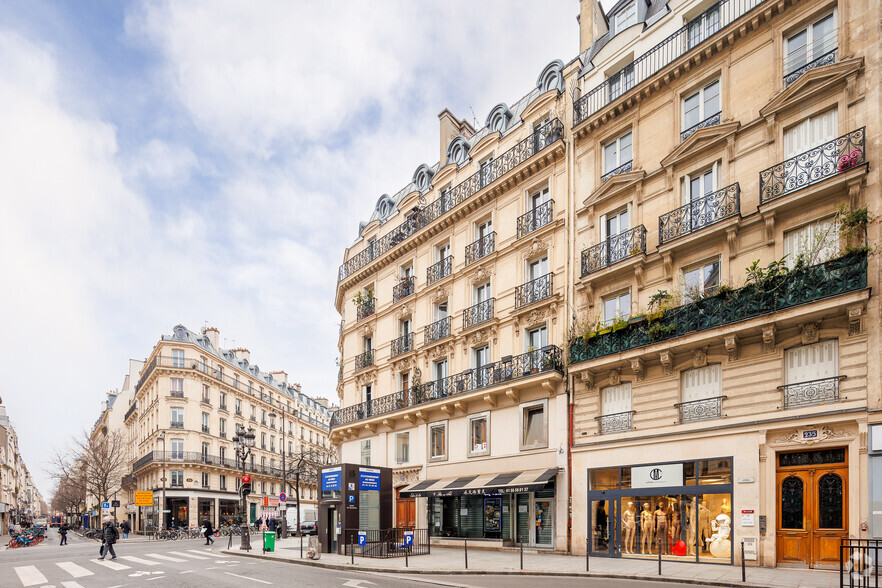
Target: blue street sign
{"x": 362, "y": 537}
{"x": 332, "y": 479}
{"x": 368, "y": 479}
{"x": 408, "y": 538}
{"x": 352, "y": 498}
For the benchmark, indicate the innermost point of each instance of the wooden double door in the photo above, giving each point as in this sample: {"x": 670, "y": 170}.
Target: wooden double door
{"x": 812, "y": 507}
{"x": 405, "y": 511}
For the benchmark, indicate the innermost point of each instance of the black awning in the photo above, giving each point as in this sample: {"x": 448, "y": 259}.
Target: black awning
{"x": 507, "y": 483}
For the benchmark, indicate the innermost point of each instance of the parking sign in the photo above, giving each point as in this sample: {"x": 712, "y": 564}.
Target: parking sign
{"x": 408, "y": 538}
{"x": 362, "y": 537}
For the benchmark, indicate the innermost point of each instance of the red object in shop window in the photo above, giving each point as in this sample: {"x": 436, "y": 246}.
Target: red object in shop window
{"x": 679, "y": 548}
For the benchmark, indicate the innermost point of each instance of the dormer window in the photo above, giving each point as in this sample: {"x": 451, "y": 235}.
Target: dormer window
{"x": 626, "y": 17}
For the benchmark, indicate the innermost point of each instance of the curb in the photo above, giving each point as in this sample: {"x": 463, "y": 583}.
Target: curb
{"x": 378, "y": 570}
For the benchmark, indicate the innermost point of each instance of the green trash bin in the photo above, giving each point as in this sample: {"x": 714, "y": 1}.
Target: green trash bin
{"x": 269, "y": 541}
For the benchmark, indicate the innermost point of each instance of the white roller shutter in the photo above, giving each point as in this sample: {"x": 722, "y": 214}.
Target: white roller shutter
{"x": 812, "y": 362}
{"x": 810, "y": 133}
{"x": 702, "y": 383}
{"x": 616, "y": 399}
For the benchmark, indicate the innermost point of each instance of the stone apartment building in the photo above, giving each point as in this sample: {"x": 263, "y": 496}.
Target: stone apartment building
{"x": 20, "y": 500}
{"x": 557, "y": 313}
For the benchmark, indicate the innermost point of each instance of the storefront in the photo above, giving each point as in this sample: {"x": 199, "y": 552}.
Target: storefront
{"x": 177, "y": 515}
{"x": 228, "y": 512}
{"x": 206, "y": 510}
{"x": 682, "y": 510}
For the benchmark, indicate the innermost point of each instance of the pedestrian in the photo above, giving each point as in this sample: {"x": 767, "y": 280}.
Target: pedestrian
{"x": 125, "y": 528}
{"x": 16, "y": 530}
{"x": 271, "y": 524}
{"x": 207, "y": 531}
{"x": 260, "y": 523}
{"x": 62, "y": 530}
{"x": 111, "y": 535}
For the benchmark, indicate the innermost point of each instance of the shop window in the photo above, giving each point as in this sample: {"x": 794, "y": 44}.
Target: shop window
{"x": 438, "y": 441}
{"x": 534, "y": 425}
{"x": 814, "y": 243}
{"x": 479, "y": 434}
{"x": 603, "y": 479}
{"x": 402, "y": 447}
{"x": 715, "y": 471}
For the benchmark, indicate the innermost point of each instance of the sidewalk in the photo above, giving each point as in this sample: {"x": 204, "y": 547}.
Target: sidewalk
{"x": 447, "y": 561}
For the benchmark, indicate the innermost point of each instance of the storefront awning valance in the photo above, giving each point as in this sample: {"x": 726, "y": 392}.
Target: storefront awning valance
{"x": 508, "y": 483}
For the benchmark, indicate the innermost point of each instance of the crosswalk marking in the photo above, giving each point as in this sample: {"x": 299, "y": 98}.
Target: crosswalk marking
{"x": 164, "y": 557}
{"x": 201, "y": 551}
{"x": 113, "y": 565}
{"x": 73, "y": 569}
{"x": 30, "y": 575}
{"x": 138, "y": 560}
{"x": 72, "y": 585}
{"x": 182, "y": 554}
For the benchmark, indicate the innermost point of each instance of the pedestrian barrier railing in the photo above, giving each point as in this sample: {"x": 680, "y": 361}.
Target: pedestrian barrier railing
{"x": 386, "y": 543}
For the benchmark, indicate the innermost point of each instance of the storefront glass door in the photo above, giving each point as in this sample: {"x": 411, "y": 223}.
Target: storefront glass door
{"x": 535, "y": 519}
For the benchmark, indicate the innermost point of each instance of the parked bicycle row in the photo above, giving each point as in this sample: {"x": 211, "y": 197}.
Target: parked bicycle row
{"x": 27, "y": 538}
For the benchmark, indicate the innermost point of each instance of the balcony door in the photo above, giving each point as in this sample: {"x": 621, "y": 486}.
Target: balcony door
{"x": 538, "y": 198}
{"x": 807, "y": 363}
{"x": 810, "y": 133}
{"x": 537, "y": 268}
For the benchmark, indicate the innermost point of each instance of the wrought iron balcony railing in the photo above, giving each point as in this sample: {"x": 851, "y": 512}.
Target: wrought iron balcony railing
{"x": 536, "y": 218}
{"x": 698, "y": 30}
{"x": 833, "y": 157}
{"x": 176, "y": 393}
{"x": 439, "y": 270}
{"x": 821, "y": 51}
{"x": 478, "y": 313}
{"x": 622, "y": 169}
{"x": 364, "y": 360}
{"x": 614, "y": 249}
{"x": 206, "y": 400}
{"x": 811, "y": 393}
{"x": 131, "y": 410}
{"x": 197, "y": 457}
{"x": 711, "y": 121}
{"x": 701, "y": 410}
{"x": 541, "y": 138}
{"x": 403, "y": 289}
{"x": 534, "y": 290}
{"x": 803, "y": 286}
{"x": 176, "y": 424}
{"x": 365, "y": 309}
{"x": 825, "y": 59}
{"x": 480, "y": 248}
{"x": 437, "y": 330}
{"x": 614, "y": 423}
{"x": 402, "y": 344}
{"x": 206, "y": 429}
{"x": 700, "y": 213}
{"x": 506, "y": 370}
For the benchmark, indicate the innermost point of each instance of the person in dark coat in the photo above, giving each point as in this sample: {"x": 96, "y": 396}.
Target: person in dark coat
{"x": 271, "y": 524}
{"x": 125, "y": 528}
{"x": 207, "y": 531}
{"x": 62, "y": 530}
{"x": 111, "y": 536}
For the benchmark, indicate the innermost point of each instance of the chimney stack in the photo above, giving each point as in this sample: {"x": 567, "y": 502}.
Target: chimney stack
{"x": 450, "y": 128}
{"x": 242, "y": 353}
{"x": 322, "y": 401}
{"x": 213, "y": 336}
{"x": 280, "y": 376}
{"x": 591, "y": 23}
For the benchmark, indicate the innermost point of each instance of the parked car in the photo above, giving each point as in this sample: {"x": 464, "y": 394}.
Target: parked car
{"x": 40, "y": 523}
{"x": 308, "y": 528}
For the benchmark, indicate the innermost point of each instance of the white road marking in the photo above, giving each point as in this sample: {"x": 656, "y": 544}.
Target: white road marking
{"x": 113, "y": 566}
{"x": 72, "y": 584}
{"x": 30, "y": 575}
{"x": 138, "y": 560}
{"x": 200, "y": 551}
{"x": 352, "y": 583}
{"x": 182, "y": 554}
{"x": 164, "y": 557}
{"x": 73, "y": 569}
{"x": 155, "y": 578}
{"x": 187, "y": 572}
{"x": 247, "y": 578}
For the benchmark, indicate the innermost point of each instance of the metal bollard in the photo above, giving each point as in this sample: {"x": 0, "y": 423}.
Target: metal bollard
{"x": 351, "y": 553}
{"x": 743, "y": 571}
{"x": 465, "y": 544}
{"x": 587, "y": 550}
{"x": 301, "y": 546}
{"x": 406, "y": 550}
{"x": 522, "y": 556}
{"x": 659, "y": 556}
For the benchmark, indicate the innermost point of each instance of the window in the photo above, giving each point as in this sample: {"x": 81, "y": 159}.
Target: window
{"x": 812, "y": 362}
{"x": 535, "y": 341}
{"x": 366, "y": 452}
{"x": 438, "y": 441}
{"x": 810, "y": 133}
{"x": 402, "y": 447}
{"x": 222, "y": 454}
{"x": 223, "y": 399}
{"x": 814, "y": 243}
{"x": 177, "y": 417}
{"x": 621, "y": 81}
{"x": 817, "y": 41}
{"x": 482, "y": 293}
{"x": 442, "y": 252}
{"x": 701, "y": 383}
{"x": 272, "y": 442}
{"x": 263, "y": 487}
{"x": 205, "y": 480}
{"x": 367, "y": 344}
{"x": 479, "y": 434}
{"x": 236, "y": 381}
{"x": 204, "y": 422}
{"x": 626, "y": 17}
{"x": 441, "y": 311}
{"x": 177, "y": 449}
{"x": 206, "y": 393}
{"x": 481, "y": 358}
{"x": 537, "y": 268}
{"x": 617, "y": 153}
{"x": 703, "y": 26}
{"x": 253, "y": 412}
{"x": 177, "y": 385}
{"x": 404, "y": 381}
{"x": 697, "y": 185}
{"x": 263, "y": 440}
{"x": 178, "y": 358}
{"x": 538, "y": 198}
{"x": 701, "y": 105}
{"x": 238, "y": 407}
{"x": 616, "y": 223}
{"x": 177, "y": 478}
{"x": 263, "y": 417}
{"x": 534, "y": 425}
{"x": 699, "y": 280}
{"x": 615, "y": 399}
{"x": 615, "y": 307}
{"x": 223, "y": 482}
{"x": 483, "y": 229}
{"x": 440, "y": 369}
{"x": 220, "y": 372}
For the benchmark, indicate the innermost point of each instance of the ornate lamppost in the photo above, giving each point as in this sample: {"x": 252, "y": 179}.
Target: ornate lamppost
{"x": 244, "y": 441}
{"x": 283, "y": 508}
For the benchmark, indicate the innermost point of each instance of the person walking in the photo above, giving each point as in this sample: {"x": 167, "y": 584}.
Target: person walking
{"x": 62, "y": 530}
{"x": 16, "y": 530}
{"x": 208, "y": 532}
{"x": 111, "y": 535}
{"x": 271, "y": 524}
{"x": 260, "y": 523}
{"x": 125, "y": 528}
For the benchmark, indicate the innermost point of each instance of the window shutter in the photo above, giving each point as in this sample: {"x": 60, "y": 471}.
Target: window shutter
{"x": 812, "y": 362}
{"x": 702, "y": 383}
{"x": 628, "y": 222}
{"x": 616, "y": 399}
{"x": 603, "y": 227}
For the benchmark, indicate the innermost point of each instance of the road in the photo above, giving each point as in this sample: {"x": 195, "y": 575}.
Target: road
{"x": 190, "y": 563}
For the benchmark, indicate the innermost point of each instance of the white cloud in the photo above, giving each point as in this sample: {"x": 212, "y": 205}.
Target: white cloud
{"x": 163, "y": 162}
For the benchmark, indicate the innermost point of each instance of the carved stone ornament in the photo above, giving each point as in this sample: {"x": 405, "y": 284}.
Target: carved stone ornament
{"x": 404, "y": 311}
{"x": 479, "y": 337}
{"x": 588, "y": 379}
{"x": 402, "y": 364}
{"x": 731, "y": 342}
{"x": 407, "y": 476}
{"x": 537, "y": 246}
{"x": 365, "y": 378}
{"x": 615, "y": 377}
{"x": 855, "y": 314}
{"x": 769, "y": 338}
{"x": 699, "y": 357}
{"x": 367, "y": 330}
{"x": 482, "y": 274}
{"x": 439, "y": 351}
{"x": 732, "y": 239}
{"x": 441, "y": 294}
{"x": 667, "y": 360}
{"x": 535, "y": 316}
{"x": 811, "y": 434}
{"x": 668, "y": 264}
{"x": 811, "y": 332}
{"x": 637, "y": 366}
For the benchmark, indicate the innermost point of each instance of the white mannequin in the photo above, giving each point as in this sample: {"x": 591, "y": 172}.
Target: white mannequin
{"x": 690, "y": 528}
{"x": 628, "y": 527}
{"x": 704, "y": 522}
{"x": 719, "y": 543}
{"x": 647, "y": 532}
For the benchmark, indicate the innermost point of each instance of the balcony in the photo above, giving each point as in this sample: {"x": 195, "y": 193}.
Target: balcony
{"x": 711, "y": 121}
{"x": 480, "y": 248}
{"x": 815, "y": 165}
{"x": 223, "y": 406}
{"x": 536, "y": 218}
{"x": 437, "y": 330}
{"x": 822, "y": 51}
{"x": 206, "y": 429}
{"x": 547, "y": 359}
{"x": 206, "y": 400}
{"x": 177, "y": 425}
{"x": 176, "y": 393}
{"x": 364, "y": 310}
{"x": 540, "y": 139}
{"x": 131, "y": 410}
{"x": 703, "y": 27}
{"x": 238, "y": 412}
{"x": 364, "y": 360}
{"x": 811, "y": 393}
{"x": 614, "y": 249}
{"x": 614, "y": 423}
{"x": 197, "y": 457}
{"x": 403, "y": 289}
{"x": 477, "y": 314}
{"x": 825, "y": 280}
{"x": 439, "y": 270}
{"x": 534, "y": 291}
{"x": 402, "y": 344}
{"x": 700, "y": 213}
{"x": 622, "y": 169}
{"x": 701, "y": 410}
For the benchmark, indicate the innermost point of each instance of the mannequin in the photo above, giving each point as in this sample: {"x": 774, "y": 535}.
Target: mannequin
{"x": 646, "y": 529}
{"x": 660, "y": 520}
{"x": 704, "y": 524}
{"x": 690, "y": 526}
{"x": 675, "y": 522}
{"x": 628, "y": 524}
{"x": 719, "y": 543}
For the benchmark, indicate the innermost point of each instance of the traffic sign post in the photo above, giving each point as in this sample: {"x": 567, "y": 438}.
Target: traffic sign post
{"x": 362, "y": 538}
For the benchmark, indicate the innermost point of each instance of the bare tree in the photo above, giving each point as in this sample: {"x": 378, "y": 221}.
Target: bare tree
{"x": 94, "y": 466}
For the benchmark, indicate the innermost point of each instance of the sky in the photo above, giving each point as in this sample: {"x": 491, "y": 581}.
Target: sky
{"x": 207, "y": 163}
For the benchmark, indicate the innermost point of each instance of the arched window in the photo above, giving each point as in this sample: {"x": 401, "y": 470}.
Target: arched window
{"x": 551, "y": 77}
{"x": 458, "y": 150}
{"x": 498, "y": 119}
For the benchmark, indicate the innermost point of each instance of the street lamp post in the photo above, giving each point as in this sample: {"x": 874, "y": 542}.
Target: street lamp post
{"x": 283, "y": 508}
{"x": 244, "y": 441}
{"x": 162, "y": 506}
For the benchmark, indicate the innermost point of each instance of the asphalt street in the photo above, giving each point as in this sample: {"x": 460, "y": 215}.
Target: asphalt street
{"x": 187, "y": 563}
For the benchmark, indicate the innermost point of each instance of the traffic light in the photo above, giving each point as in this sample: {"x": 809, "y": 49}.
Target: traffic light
{"x": 245, "y": 487}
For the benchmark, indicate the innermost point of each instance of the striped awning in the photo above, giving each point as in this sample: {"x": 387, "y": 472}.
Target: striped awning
{"x": 508, "y": 483}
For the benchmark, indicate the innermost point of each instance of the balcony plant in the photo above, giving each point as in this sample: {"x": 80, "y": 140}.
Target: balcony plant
{"x": 363, "y": 297}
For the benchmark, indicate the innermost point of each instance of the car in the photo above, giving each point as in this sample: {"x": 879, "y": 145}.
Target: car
{"x": 40, "y": 523}
{"x": 308, "y": 528}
